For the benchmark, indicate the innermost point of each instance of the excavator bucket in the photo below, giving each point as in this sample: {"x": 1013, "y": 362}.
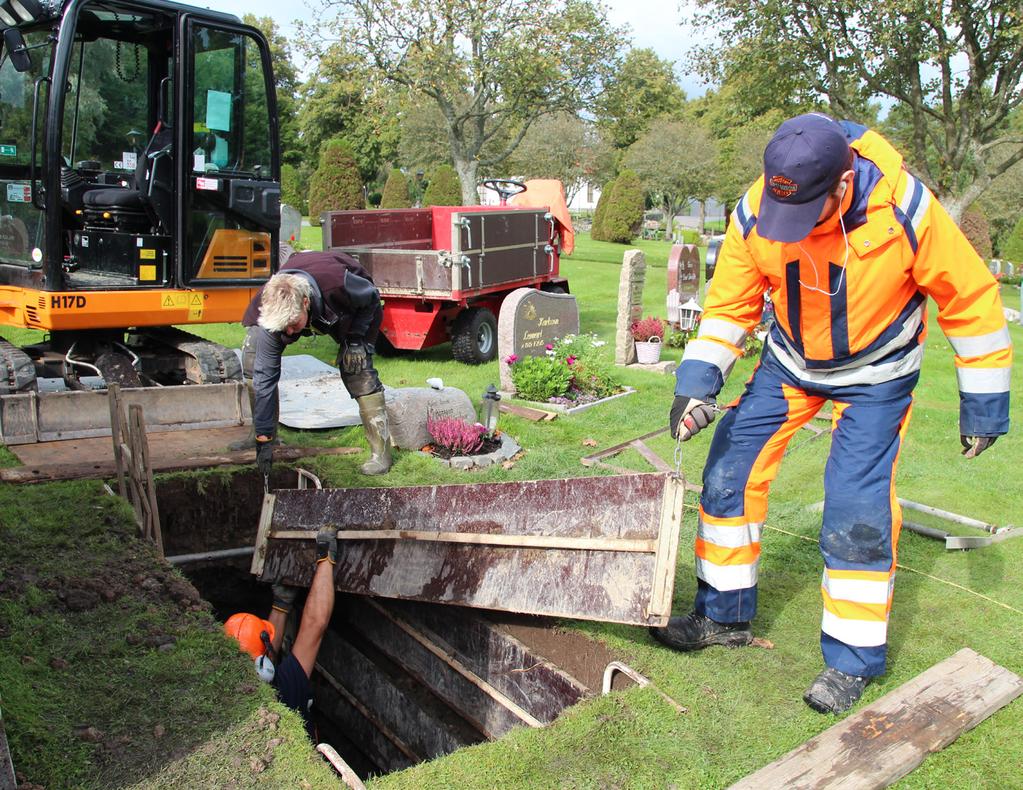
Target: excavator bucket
{"x": 594, "y": 548}
{"x": 43, "y": 417}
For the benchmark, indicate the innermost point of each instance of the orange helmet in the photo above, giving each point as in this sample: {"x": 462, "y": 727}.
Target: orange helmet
{"x": 246, "y": 628}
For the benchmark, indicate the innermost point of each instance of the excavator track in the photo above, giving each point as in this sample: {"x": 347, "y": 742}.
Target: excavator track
{"x": 17, "y": 370}
{"x": 205, "y": 362}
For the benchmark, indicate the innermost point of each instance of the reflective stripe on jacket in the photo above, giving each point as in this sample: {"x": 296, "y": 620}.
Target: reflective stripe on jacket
{"x": 856, "y": 314}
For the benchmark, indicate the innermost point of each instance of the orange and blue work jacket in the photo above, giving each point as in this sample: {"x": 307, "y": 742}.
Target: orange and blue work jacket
{"x": 850, "y": 307}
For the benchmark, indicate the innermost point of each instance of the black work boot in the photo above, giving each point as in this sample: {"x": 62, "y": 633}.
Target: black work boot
{"x": 833, "y": 691}
{"x": 695, "y": 631}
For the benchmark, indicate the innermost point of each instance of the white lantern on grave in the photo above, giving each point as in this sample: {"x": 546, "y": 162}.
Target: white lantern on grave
{"x": 688, "y": 314}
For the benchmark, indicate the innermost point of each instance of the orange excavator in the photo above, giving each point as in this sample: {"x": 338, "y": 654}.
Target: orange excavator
{"x": 139, "y": 188}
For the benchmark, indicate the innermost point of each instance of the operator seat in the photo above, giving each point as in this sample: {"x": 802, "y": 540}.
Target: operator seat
{"x": 152, "y": 197}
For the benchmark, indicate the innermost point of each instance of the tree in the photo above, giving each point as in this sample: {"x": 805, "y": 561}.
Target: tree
{"x": 625, "y": 207}
{"x": 443, "y": 188}
{"x": 396, "y": 191}
{"x": 343, "y": 100}
{"x": 562, "y": 146}
{"x": 644, "y": 88}
{"x": 1012, "y": 247}
{"x": 975, "y": 227}
{"x": 954, "y": 70}
{"x": 335, "y": 186}
{"x": 676, "y": 162}
{"x": 491, "y": 68}
{"x": 597, "y": 228}
{"x": 286, "y": 82}
{"x": 292, "y": 192}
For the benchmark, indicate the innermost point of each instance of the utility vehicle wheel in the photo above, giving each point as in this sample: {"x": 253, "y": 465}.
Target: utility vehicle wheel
{"x": 474, "y": 336}
{"x": 385, "y": 348}
{"x": 552, "y": 289}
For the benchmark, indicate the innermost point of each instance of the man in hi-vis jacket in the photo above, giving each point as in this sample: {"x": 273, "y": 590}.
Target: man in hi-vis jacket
{"x": 851, "y": 246}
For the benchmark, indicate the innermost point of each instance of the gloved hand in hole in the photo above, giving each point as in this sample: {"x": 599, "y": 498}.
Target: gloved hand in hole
{"x": 264, "y": 456}
{"x": 689, "y": 416}
{"x": 284, "y": 597}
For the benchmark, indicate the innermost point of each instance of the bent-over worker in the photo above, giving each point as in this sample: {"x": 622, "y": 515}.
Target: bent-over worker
{"x": 325, "y": 293}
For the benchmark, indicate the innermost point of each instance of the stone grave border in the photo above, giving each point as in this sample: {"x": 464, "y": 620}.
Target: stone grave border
{"x": 568, "y": 409}
{"x": 508, "y": 449}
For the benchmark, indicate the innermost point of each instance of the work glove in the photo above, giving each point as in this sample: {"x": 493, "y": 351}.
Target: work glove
{"x": 354, "y": 358}
{"x": 326, "y": 545}
{"x": 975, "y": 445}
{"x": 264, "y": 457}
{"x": 284, "y": 597}
{"x": 689, "y": 416}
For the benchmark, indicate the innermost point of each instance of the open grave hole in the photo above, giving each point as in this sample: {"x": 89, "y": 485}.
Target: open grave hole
{"x": 397, "y": 682}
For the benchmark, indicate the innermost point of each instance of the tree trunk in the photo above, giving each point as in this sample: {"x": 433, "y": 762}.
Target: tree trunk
{"x": 703, "y": 217}
{"x": 467, "y": 170}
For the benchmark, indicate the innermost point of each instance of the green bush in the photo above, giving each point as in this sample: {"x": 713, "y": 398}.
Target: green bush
{"x": 396, "y": 193}
{"x": 1012, "y": 246}
{"x": 336, "y": 185}
{"x": 292, "y": 192}
{"x": 625, "y": 208}
{"x": 975, "y": 227}
{"x": 597, "y": 229}
{"x": 444, "y": 188}
{"x": 690, "y": 236}
{"x": 540, "y": 378}
{"x": 572, "y": 372}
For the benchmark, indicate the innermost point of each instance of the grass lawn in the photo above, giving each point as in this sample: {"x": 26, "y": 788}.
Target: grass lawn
{"x": 745, "y": 706}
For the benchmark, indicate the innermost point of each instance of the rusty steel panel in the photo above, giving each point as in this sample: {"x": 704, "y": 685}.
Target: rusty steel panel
{"x": 412, "y": 271}
{"x": 408, "y": 228}
{"x": 615, "y": 541}
{"x": 502, "y": 246}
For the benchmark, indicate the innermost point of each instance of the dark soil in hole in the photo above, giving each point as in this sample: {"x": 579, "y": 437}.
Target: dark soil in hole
{"x": 230, "y": 589}
{"x": 490, "y": 444}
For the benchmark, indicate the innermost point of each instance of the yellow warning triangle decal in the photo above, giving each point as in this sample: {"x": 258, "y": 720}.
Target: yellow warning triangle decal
{"x": 168, "y": 301}
{"x": 195, "y": 299}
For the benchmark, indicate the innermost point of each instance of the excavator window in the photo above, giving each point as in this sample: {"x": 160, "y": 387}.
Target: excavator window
{"x": 21, "y": 224}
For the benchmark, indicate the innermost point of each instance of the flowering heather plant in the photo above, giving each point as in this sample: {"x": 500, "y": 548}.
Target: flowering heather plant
{"x": 646, "y": 329}
{"x": 456, "y": 435}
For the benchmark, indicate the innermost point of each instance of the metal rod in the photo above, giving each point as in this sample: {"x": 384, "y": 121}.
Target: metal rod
{"x": 219, "y": 554}
{"x": 954, "y": 517}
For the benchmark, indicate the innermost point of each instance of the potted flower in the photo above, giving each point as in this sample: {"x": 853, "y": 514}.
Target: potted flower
{"x": 648, "y": 333}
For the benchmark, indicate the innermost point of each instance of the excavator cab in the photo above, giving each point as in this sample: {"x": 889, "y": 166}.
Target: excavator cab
{"x": 139, "y": 186}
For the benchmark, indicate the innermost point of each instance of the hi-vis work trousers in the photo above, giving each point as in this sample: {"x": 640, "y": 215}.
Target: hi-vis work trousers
{"x": 861, "y": 520}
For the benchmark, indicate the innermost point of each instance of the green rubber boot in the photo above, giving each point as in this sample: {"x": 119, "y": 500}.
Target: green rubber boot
{"x": 373, "y": 411}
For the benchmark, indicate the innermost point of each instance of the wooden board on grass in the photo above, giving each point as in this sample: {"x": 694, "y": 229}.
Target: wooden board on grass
{"x": 889, "y": 738}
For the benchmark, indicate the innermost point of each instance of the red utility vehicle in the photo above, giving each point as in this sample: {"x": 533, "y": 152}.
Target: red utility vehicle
{"x": 444, "y": 271}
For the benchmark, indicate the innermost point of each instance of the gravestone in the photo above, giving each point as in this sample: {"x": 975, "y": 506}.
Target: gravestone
{"x": 684, "y": 271}
{"x": 630, "y": 304}
{"x": 529, "y": 321}
{"x": 409, "y": 407}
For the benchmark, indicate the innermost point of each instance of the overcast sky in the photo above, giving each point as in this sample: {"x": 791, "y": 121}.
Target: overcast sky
{"x": 654, "y": 23}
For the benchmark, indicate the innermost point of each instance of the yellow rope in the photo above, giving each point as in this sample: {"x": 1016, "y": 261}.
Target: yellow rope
{"x": 901, "y": 567}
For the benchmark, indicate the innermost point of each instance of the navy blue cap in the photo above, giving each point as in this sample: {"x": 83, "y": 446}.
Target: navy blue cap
{"x": 801, "y": 164}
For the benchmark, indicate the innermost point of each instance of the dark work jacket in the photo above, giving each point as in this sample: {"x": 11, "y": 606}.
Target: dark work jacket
{"x": 344, "y": 304}
{"x": 332, "y": 310}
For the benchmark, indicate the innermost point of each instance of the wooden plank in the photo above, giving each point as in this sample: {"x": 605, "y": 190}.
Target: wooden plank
{"x": 886, "y": 740}
{"x": 105, "y": 469}
{"x": 524, "y": 716}
{"x": 113, "y": 393}
{"x": 520, "y": 541}
{"x": 8, "y": 780}
{"x": 586, "y": 517}
{"x": 527, "y": 412}
{"x": 262, "y": 534}
{"x": 493, "y": 654}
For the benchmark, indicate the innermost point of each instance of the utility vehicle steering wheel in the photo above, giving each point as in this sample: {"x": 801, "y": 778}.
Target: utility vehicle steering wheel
{"x": 504, "y": 187}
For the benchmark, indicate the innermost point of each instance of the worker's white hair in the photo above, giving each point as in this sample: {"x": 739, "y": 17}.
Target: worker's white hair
{"x": 281, "y": 304}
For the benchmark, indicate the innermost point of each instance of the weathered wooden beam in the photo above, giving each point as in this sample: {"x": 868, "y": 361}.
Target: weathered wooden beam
{"x": 105, "y": 469}
{"x": 597, "y": 548}
{"x": 527, "y": 412}
{"x": 886, "y": 740}
{"x": 485, "y": 539}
